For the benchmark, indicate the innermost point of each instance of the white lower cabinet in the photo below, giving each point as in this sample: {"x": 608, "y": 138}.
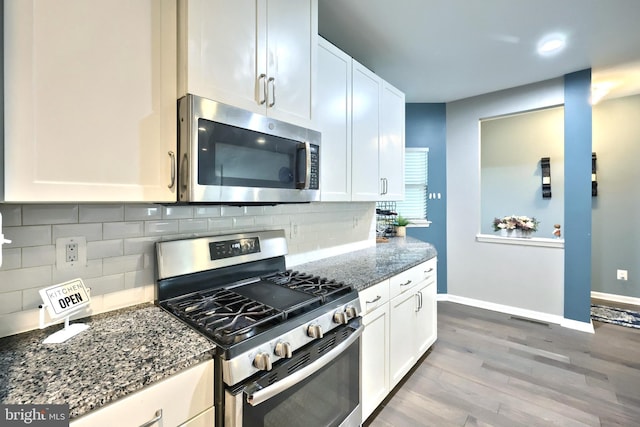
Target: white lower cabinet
{"x": 375, "y": 346}
{"x": 184, "y": 399}
{"x": 400, "y": 324}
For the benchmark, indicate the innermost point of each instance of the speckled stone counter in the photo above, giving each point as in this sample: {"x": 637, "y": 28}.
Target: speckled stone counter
{"x": 122, "y": 352}
{"x": 369, "y": 266}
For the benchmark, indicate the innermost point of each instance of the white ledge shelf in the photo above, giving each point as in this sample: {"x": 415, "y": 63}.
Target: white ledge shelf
{"x": 521, "y": 241}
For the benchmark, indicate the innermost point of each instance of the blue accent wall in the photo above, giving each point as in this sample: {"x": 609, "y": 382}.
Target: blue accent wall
{"x": 577, "y": 198}
{"x": 426, "y": 126}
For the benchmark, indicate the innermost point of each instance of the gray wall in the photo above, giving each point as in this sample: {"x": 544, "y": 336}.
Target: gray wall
{"x": 511, "y": 148}
{"x": 526, "y": 277}
{"x": 616, "y": 209}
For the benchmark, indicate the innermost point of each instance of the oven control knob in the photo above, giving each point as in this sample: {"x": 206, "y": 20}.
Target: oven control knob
{"x": 340, "y": 317}
{"x": 262, "y": 361}
{"x": 315, "y": 331}
{"x": 351, "y": 311}
{"x": 283, "y": 349}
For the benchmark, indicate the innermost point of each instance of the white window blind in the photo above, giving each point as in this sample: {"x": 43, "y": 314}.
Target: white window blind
{"x": 414, "y": 205}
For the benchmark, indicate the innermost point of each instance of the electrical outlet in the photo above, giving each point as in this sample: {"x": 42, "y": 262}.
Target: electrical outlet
{"x": 294, "y": 230}
{"x": 71, "y": 252}
{"x": 622, "y": 275}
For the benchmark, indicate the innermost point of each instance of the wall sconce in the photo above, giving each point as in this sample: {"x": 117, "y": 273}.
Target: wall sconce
{"x": 546, "y": 177}
{"x": 594, "y": 177}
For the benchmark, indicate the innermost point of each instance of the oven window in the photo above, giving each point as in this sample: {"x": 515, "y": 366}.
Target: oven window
{"x": 232, "y": 156}
{"x": 325, "y": 398}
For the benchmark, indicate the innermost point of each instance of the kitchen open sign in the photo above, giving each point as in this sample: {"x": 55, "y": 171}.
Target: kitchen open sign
{"x": 65, "y": 298}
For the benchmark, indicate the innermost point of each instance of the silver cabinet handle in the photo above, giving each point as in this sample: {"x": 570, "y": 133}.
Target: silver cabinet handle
{"x": 272, "y": 80}
{"x": 429, "y": 270}
{"x": 417, "y": 303}
{"x": 376, "y": 299}
{"x": 420, "y": 294}
{"x": 172, "y": 155}
{"x": 405, "y": 284}
{"x": 261, "y": 78}
{"x": 386, "y": 185}
{"x": 153, "y": 420}
{"x": 258, "y": 395}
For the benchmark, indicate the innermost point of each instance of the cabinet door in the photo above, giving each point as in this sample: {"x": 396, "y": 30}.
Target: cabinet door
{"x": 391, "y": 149}
{"x": 426, "y": 317}
{"x": 375, "y": 359}
{"x": 90, "y": 100}
{"x": 222, "y": 51}
{"x": 291, "y": 52}
{"x": 332, "y": 110}
{"x": 402, "y": 349}
{"x": 366, "y": 92}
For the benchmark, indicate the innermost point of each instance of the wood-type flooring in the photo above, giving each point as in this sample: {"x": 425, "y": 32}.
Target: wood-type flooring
{"x": 493, "y": 369}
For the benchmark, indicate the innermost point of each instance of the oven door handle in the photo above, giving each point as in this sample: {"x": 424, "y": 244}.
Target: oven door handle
{"x": 258, "y": 396}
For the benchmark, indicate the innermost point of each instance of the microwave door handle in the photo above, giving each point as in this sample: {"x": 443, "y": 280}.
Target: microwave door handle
{"x": 307, "y": 165}
{"x": 258, "y": 396}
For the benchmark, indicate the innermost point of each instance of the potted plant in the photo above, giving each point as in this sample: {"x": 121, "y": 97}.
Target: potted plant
{"x": 401, "y": 226}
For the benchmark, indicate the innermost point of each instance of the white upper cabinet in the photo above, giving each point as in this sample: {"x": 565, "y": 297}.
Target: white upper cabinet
{"x": 332, "y": 110}
{"x": 366, "y": 93}
{"x": 90, "y": 100}
{"x": 391, "y": 148}
{"x": 259, "y": 55}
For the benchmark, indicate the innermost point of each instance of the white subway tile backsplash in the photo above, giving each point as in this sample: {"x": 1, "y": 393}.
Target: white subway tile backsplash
{"x": 158, "y": 228}
{"x": 11, "y": 258}
{"x": 121, "y": 244}
{"x": 177, "y": 212}
{"x": 122, "y": 264}
{"x": 25, "y": 278}
{"x": 11, "y": 302}
{"x": 105, "y": 249}
{"x": 101, "y": 213}
{"x": 105, "y": 284}
{"x": 206, "y": 211}
{"x": 33, "y": 235}
{"x": 122, "y": 230}
{"x": 90, "y": 231}
{"x": 137, "y": 278}
{"x": 92, "y": 269}
{"x": 49, "y": 214}
{"x": 142, "y": 212}
{"x": 140, "y": 245}
{"x": 192, "y": 225}
{"x": 11, "y": 215}
{"x": 38, "y": 255}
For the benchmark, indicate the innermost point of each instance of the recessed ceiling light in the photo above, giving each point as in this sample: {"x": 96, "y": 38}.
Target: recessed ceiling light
{"x": 551, "y": 44}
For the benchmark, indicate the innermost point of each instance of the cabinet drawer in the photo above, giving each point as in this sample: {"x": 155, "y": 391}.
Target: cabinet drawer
{"x": 428, "y": 270}
{"x": 405, "y": 281}
{"x": 180, "y": 397}
{"x": 374, "y": 296}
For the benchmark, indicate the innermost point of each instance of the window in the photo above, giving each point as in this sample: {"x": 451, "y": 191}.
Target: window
{"x": 414, "y": 206}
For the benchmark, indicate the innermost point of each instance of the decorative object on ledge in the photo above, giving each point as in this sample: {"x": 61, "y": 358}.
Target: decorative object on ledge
{"x": 556, "y": 231}
{"x": 515, "y": 226}
{"x": 594, "y": 177}
{"x": 401, "y": 226}
{"x": 546, "y": 177}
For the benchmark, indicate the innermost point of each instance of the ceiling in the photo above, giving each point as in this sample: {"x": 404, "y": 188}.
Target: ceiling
{"x": 444, "y": 50}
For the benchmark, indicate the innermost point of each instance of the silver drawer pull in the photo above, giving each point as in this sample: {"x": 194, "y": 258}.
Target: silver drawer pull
{"x": 429, "y": 270}
{"x": 374, "y": 300}
{"x": 153, "y": 420}
{"x": 405, "y": 284}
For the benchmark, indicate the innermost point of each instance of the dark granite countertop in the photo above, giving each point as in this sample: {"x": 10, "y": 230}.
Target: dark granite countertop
{"x": 369, "y": 266}
{"x": 121, "y": 352}
{"x": 128, "y": 349}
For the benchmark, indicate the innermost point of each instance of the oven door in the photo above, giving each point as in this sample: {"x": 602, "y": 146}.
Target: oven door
{"x": 318, "y": 386}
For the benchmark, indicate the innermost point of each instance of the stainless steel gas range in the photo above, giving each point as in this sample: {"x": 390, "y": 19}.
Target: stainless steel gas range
{"x": 287, "y": 343}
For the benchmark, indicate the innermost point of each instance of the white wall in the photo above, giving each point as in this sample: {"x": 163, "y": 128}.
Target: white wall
{"x": 525, "y": 277}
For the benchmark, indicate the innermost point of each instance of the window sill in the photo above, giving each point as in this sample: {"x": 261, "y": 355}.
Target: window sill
{"x": 419, "y": 223}
{"x": 533, "y": 241}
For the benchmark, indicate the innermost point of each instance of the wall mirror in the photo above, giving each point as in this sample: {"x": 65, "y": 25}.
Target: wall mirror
{"x": 512, "y": 147}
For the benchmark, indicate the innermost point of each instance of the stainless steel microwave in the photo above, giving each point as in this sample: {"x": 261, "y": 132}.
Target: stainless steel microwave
{"x": 233, "y": 156}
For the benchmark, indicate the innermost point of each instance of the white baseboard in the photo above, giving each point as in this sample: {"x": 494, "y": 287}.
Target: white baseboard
{"x": 615, "y": 298}
{"x": 520, "y": 312}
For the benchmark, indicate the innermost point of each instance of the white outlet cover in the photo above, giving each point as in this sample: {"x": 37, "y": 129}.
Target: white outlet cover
{"x": 61, "y": 252}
